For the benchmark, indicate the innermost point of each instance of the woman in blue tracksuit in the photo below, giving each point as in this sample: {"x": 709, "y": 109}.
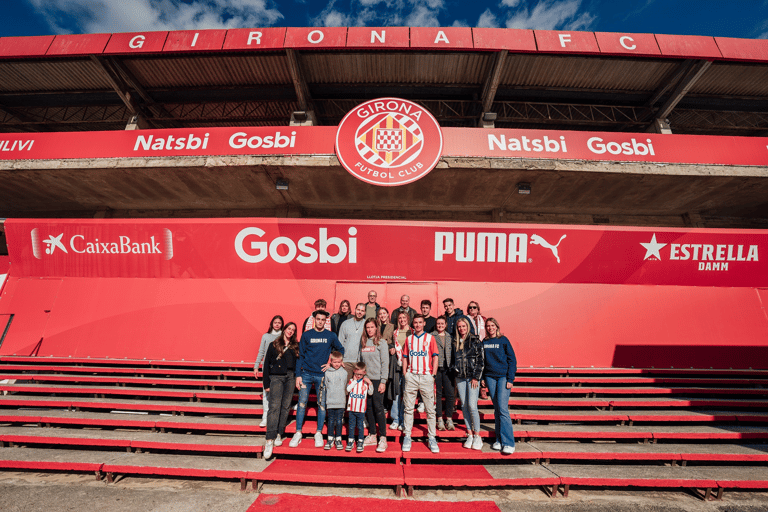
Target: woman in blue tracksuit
{"x": 499, "y": 373}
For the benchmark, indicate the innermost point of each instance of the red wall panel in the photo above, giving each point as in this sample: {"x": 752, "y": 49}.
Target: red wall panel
{"x": 504, "y": 39}
{"x": 627, "y": 44}
{"x": 435, "y": 38}
{"x": 549, "y": 324}
{"x": 561, "y": 41}
{"x": 136, "y": 42}
{"x": 78, "y": 44}
{"x": 31, "y": 302}
{"x": 254, "y": 38}
{"x": 194, "y": 40}
{"x": 316, "y": 37}
{"x": 371, "y": 37}
{"x": 689, "y": 47}
{"x": 34, "y": 46}
{"x": 743, "y": 49}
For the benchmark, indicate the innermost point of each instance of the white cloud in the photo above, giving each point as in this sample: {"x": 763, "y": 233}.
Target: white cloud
{"x": 510, "y": 3}
{"x": 386, "y": 13}
{"x": 488, "y": 20}
{"x": 422, "y": 16}
{"x": 551, "y": 15}
{"x": 93, "y": 16}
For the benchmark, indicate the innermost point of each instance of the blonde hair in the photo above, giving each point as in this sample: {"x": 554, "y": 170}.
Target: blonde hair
{"x": 498, "y": 329}
{"x": 458, "y": 342}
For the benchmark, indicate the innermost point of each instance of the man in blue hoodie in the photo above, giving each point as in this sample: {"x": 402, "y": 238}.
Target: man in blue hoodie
{"x": 452, "y": 315}
{"x": 315, "y": 349}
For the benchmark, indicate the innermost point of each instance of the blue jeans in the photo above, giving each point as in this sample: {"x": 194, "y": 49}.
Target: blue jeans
{"x": 469, "y": 396}
{"x": 497, "y": 388}
{"x": 307, "y": 380}
{"x": 356, "y": 421}
{"x": 335, "y": 422}
{"x": 398, "y": 406}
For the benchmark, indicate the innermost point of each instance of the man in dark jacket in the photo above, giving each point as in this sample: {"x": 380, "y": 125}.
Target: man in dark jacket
{"x": 452, "y": 314}
{"x": 429, "y": 321}
{"x": 404, "y": 301}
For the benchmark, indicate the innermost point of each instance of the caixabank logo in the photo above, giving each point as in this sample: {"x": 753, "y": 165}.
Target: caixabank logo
{"x": 389, "y": 142}
{"x": 120, "y": 244}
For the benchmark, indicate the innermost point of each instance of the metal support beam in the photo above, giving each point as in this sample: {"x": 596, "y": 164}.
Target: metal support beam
{"x": 123, "y": 81}
{"x": 299, "y": 84}
{"x": 682, "y": 88}
{"x": 118, "y": 84}
{"x": 492, "y": 82}
{"x": 670, "y": 81}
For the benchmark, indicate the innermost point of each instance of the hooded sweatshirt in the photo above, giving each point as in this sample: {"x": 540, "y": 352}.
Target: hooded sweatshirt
{"x": 334, "y": 385}
{"x": 450, "y": 322}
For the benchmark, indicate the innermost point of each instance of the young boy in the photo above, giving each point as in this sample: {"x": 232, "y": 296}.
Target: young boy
{"x": 359, "y": 388}
{"x": 333, "y": 388}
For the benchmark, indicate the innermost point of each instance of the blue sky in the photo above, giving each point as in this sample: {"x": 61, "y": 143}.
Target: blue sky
{"x": 737, "y": 18}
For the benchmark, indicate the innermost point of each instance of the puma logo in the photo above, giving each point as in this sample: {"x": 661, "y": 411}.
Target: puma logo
{"x": 537, "y": 240}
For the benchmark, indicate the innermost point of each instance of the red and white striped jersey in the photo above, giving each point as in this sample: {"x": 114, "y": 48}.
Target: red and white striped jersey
{"x": 419, "y": 351}
{"x": 358, "y": 395}
{"x": 310, "y": 323}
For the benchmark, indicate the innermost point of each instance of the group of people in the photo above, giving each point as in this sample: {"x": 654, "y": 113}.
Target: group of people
{"x": 367, "y": 360}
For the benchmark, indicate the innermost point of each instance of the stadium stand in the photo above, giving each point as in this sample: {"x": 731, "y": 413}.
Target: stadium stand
{"x": 170, "y": 419}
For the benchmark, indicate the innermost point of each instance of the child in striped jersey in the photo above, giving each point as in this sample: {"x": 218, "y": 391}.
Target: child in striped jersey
{"x": 359, "y": 388}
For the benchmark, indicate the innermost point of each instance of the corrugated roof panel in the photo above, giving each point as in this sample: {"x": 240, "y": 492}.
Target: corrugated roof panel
{"x": 585, "y": 72}
{"x": 51, "y": 75}
{"x": 200, "y": 71}
{"x": 403, "y": 68}
{"x": 733, "y": 80}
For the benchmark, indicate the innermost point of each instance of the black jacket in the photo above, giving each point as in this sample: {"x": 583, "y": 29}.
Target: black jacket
{"x": 469, "y": 362}
{"x": 275, "y": 366}
{"x": 450, "y": 322}
{"x": 411, "y": 313}
{"x": 337, "y": 320}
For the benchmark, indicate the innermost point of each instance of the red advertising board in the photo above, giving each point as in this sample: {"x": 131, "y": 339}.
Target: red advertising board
{"x": 352, "y": 250}
{"x": 458, "y": 142}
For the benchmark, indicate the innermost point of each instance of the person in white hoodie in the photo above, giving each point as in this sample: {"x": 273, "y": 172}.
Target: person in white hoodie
{"x": 275, "y": 329}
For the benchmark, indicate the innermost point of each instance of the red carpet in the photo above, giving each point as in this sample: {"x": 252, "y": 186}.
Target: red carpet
{"x": 298, "y": 503}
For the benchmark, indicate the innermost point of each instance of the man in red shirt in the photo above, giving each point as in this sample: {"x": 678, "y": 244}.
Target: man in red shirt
{"x": 419, "y": 369}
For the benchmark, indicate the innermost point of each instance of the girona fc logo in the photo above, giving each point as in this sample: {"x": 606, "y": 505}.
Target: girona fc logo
{"x": 389, "y": 142}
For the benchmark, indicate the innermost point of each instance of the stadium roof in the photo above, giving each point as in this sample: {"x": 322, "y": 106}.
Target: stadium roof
{"x": 258, "y": 77}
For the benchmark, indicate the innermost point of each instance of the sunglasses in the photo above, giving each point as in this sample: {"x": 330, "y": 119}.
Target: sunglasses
{"x": 473, "y": 307}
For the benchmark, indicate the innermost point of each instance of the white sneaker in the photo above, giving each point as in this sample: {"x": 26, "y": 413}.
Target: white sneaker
{"x": 468, "y": 443}
{"x": 395, "y": 425}
{"x": 508, "y": 450}
{"x": 421, "y": 408}
{"x": 496, "y": 446}
{"x": 382, "y": 445}
{"x": 295, "y": 440}
{"x": 263, "y": 422}
{"x": 268, "y": 449}
{"x": 296, "y": 407}
{"x": 477, "y": 444}
{"x": 318, "y": 439}
{"x": 278, "y": 440}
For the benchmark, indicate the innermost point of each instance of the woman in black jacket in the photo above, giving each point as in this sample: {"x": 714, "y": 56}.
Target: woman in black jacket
{"x": 345, "y": 313}
{"x": 468, "y": 364}
{"x": 279, "y": 382}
